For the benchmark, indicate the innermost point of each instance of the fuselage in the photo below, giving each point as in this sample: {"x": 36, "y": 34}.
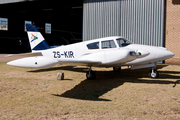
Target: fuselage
{"x": 110, "y": 51}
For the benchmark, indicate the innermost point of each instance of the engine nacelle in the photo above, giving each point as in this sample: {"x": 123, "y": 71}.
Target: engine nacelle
{"x": 142, "y": 53}
{"x": 119, "y": 56}
{"x": 34, "y": 62}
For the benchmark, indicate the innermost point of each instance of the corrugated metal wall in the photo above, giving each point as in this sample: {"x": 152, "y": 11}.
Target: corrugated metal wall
{"x": 141, "y": 21}
{"x": 100, "y": 19}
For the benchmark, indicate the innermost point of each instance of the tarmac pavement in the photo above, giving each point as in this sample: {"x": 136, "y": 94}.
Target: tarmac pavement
{"x": 4, "y": 58}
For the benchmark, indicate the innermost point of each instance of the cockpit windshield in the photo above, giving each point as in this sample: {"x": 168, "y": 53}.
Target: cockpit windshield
{"x": 122, "y": 42}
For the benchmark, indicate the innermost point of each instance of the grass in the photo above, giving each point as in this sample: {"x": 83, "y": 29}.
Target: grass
{"x": 36, "y": 94}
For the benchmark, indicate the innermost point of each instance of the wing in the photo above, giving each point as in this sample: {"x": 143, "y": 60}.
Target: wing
{"x": 80, "y": 62}
{"x": 25, "y": 54}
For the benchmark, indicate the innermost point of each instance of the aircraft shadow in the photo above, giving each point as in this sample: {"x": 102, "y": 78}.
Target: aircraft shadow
{"x": 108, "y": 80}
{"x": 92, "y": 90}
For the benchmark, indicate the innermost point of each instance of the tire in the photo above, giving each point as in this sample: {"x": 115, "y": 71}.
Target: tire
{"x": 116, "y": 69}
{"x": 91, "y": 75}
{"x": 154, "y": 75}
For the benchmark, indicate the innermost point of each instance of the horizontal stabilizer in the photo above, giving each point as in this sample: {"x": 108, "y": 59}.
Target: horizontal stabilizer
{"x": 25, "y": 54}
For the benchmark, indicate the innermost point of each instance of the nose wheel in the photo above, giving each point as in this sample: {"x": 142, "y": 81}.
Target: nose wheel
{"x": 90, "y": 75}
{"x": 153, "y": 73}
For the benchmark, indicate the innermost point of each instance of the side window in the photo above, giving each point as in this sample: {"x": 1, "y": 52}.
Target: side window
{"x": 123, "y": 42}
{"x": 108, "y": 44}
{"x": 93, "y": 45}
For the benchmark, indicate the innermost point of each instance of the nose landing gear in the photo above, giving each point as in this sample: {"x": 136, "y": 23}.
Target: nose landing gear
{"x": 153, "y": 73}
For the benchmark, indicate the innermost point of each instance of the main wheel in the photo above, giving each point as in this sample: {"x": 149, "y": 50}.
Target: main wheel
{"x": 91, "y": 75}
{"x": 116, "y": 69}
{"x": 153, "y": 74}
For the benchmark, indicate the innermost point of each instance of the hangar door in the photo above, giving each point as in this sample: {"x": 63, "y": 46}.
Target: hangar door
{"x": 141, "y": 21}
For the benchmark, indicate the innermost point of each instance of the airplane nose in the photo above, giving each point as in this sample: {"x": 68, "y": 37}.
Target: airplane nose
{"x": 163, "y": 53}
{"x": 170, "y": 54}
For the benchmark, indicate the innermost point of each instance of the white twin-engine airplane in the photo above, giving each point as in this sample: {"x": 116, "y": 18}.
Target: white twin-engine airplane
{"x": 104, "y": 52}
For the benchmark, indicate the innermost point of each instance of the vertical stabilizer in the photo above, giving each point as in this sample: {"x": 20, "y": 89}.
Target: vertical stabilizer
{"x": 36, "y": 40}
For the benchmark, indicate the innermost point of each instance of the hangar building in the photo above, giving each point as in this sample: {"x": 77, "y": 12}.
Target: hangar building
{"x": 60, "y": 22}
{"x": 150, "y": 22}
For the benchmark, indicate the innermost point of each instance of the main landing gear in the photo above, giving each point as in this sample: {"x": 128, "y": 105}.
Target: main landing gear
{"x": 91, "y": 75}
{"x": 153, "y": 73}
{"x": 116, "y": 69}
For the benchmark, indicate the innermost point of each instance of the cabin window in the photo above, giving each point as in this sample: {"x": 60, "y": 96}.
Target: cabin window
{"x": 108, "y": 44}
{"x": 93, "y": 45}
{"x": 123, "y": 42}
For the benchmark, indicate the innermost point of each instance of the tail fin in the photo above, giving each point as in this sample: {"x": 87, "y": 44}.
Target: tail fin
{"x": 36, "y": 40}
